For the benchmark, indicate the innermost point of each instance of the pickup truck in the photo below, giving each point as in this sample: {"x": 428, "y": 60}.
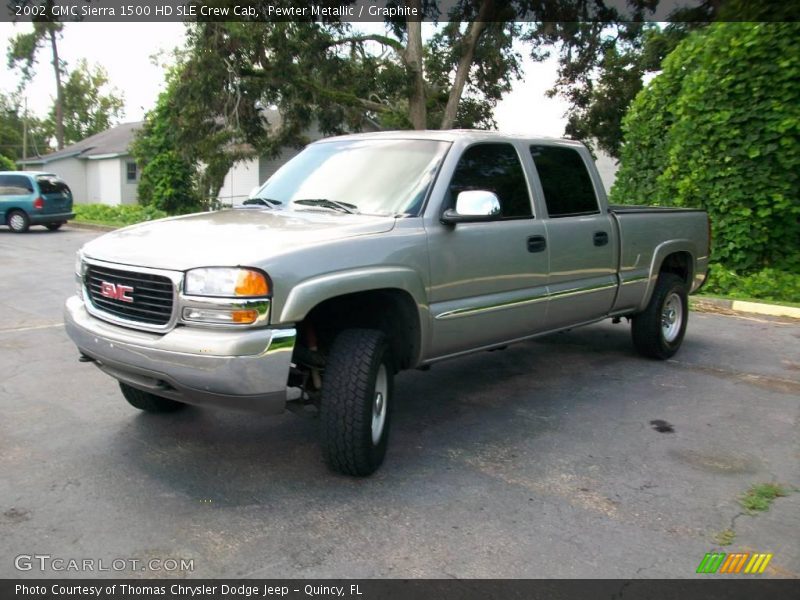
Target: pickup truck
{"x": 372, "y": 253}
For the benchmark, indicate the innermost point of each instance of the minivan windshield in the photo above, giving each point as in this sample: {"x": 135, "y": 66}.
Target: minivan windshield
{"x": 375, "y": 177}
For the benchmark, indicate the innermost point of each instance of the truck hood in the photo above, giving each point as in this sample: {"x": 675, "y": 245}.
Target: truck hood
{"x": 245, "y": 237}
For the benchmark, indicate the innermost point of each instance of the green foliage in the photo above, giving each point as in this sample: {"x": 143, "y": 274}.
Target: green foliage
{"x": 117, "y": 216}
{"x": 168, "y": 177}
{"x": 87, "y": 110}
{"x": 11, "y": 127}
{"x": 719, "y": 129}
{"x": 6, "y": 164}
{"x": 768, "y": 284}
{"x": 759, "y": 497}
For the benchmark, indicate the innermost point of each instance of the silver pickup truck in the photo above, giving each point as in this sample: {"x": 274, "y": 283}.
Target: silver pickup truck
{"x": 368, "y": 254}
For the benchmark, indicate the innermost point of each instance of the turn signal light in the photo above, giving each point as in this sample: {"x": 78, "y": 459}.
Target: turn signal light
{"x": 251, "y": 283}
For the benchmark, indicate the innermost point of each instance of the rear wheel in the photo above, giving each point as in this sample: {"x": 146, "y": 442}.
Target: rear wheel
{"x": 148, "y": 402}
{"x": 18, "y": 221}
{"x": 54, "y": 226}
{"x": 658, "y": 331}
{"x": 356, "y": 402}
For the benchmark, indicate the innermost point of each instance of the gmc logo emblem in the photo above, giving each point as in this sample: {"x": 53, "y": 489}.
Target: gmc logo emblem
{"x": 116, "y": 291}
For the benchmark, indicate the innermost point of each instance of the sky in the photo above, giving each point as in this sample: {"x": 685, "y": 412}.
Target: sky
{"x": 125, "y": 51}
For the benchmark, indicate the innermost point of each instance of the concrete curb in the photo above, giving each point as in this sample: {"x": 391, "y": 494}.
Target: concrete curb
{"x": 737, "y": 306}
{"x": 90, "y": 226}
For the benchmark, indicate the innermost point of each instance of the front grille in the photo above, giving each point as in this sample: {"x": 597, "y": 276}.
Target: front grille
{"x": 152, "y": 295}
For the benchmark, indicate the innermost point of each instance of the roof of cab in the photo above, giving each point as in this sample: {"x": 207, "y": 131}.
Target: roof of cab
{"x": 451, "y": 135}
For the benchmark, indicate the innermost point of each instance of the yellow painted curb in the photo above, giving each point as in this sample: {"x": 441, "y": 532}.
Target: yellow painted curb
{"x": 773, "y": 310}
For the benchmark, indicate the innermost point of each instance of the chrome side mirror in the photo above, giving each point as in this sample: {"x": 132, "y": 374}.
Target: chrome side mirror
{"x": 473, "y": 206}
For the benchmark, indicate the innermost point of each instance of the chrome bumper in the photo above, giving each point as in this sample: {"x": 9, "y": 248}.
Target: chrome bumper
{"x": 246, "y": 370}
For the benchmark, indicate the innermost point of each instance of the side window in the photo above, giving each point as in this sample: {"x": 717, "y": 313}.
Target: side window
{"x": 15, "y": 185}
{"x": 130, "y": 171}
{"x": 496, "y": 168}
{"x": 568, "y": 189}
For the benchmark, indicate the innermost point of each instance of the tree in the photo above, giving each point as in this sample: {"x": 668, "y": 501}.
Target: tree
{"x": 11, "y": 130}
{"x": 168, "y": 179}
{"x": 86, "y": 109}
{"x": 22, "y": 55}
{"x": 719, "y": 129}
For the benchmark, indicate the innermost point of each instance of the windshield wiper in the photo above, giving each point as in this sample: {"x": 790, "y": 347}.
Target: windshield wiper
{"x": 268, "y": 202}
{"x": 344, "y": 207}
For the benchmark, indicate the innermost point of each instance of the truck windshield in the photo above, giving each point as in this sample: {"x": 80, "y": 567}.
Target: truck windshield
{"x": 375, "y": 177}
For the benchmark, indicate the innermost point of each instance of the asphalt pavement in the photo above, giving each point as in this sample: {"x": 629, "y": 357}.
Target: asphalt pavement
{"x": 569, "y": 456}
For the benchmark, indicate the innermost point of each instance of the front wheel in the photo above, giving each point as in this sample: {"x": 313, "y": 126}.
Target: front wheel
{"x": 356, "y": 402}
{"x": 658, "y": 331}
{"x": 148, "y": 402}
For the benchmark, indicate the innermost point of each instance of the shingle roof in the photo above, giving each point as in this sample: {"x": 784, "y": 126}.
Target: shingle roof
{"x": 114, "y": 141}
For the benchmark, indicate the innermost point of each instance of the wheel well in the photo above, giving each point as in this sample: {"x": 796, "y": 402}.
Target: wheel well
{"x": 679, "y": 263}
{"x": 393, "y": 311}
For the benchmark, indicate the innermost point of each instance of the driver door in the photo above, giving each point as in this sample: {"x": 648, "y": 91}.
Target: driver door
{"x": 488, "y": 279}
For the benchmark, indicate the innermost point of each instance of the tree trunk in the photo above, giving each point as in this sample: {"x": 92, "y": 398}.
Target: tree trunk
{"x": 59, "y": 93}
{"x": 465, "y": 63}
{"x": 417, "y": 110}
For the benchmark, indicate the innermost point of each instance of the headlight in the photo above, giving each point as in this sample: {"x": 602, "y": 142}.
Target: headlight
{"x": 226, "y": 283}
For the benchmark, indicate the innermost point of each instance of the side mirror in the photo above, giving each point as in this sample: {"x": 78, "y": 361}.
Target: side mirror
{"x": 473, "y": 206}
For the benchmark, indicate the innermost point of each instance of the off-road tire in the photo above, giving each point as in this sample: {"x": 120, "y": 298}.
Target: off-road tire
{"x": 18, "y": 221}
{"x": 647, "y": 329}
{"x": 149, "y": 402}
{"x": 348, "y": 399}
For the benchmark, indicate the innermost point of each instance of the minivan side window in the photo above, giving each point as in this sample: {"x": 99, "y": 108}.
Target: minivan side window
{"x": 567, "y": 186}
{"x": 495, "y": 168}
{"x": 15, "y": 185}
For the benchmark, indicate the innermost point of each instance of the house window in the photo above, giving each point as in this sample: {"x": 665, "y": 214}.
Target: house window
{"x": 131, "y": 172}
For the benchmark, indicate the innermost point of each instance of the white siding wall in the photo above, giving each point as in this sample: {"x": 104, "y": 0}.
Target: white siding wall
{"x": 239, "y": 181}
{"x": 103, "y": 181}
{"x": 70, "y": 170}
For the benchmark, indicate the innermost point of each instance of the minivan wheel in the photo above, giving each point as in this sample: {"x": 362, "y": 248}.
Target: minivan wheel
{"x": 54, "y": 226}
{"x": 658, "y": 331}
{"x": 148, "y": 402}
{"x": 18, "y": 221}
{"x": 356, "y": 402}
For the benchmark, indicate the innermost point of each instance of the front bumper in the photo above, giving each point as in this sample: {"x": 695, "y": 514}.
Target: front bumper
{"x": 43, "y": 219}
{"x": 245, "y": 370}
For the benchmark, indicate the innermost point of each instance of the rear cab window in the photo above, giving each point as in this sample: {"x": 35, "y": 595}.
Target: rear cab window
{"x": 496, "y": 168}
{"x": 15, "y": 185}
{"x": 50, "y": 184}
{"x": 566, "y": 183}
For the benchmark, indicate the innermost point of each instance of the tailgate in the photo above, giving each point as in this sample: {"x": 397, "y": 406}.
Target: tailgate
{"x": 56, "y": 194}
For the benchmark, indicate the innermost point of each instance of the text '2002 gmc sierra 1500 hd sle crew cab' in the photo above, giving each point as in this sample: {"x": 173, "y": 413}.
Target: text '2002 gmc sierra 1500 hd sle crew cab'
{"x": 372, "y": 253}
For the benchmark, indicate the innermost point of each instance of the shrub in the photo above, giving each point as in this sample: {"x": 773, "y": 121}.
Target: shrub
{"x": 127, "y": 214}
{"x": 719, "y": 128}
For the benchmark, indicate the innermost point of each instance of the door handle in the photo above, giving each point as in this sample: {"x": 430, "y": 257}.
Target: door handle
{"x": 600, "y": 238}
{"x": 537, "y": 243}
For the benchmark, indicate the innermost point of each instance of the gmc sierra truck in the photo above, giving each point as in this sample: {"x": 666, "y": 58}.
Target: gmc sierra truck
{"x": 369, "y": 254}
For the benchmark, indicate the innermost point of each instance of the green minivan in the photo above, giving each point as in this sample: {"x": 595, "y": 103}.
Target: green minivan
{"x": 34, "y": 198}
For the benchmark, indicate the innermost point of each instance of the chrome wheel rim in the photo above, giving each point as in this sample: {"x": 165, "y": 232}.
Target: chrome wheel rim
{"x": 16, "y": 222}
{"x": 672, "y": 317}
{"x": 379, "y": 402}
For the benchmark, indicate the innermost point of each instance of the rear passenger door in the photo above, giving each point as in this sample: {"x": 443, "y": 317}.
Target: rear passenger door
{"x": 488, "y": 279}
{"x": 582, "y": 238}
{"x": 16, "y": 191}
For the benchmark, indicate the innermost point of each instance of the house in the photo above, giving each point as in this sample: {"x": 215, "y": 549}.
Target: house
{"x": 99, "y": 169}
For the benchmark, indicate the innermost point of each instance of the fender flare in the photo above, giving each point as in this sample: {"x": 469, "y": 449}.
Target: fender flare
{"x": 661, "y": 252}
